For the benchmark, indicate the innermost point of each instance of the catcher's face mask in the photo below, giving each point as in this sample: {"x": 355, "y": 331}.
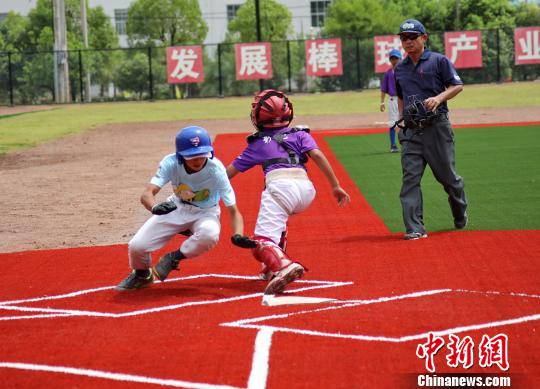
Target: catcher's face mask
{"x": 271, "y": 109}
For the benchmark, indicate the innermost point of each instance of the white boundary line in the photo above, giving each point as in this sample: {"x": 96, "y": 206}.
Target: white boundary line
{"x": 16, "y": 305}
{"x": 112, "y": 376}
{"x": 249, "y": 323}
{"x": 261, "y": 359}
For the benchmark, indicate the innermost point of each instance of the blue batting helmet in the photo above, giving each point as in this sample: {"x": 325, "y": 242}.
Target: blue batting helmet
{"x": 193, "y": 141}
{"x": 394, "y": 53}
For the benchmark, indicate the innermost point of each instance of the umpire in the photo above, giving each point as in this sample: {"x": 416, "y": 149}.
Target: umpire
{"x": 425, "y": 80}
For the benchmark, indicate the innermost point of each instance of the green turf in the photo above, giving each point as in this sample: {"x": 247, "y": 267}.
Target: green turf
{"x": 500, "y": 166}
{"x": 23, "y": 131}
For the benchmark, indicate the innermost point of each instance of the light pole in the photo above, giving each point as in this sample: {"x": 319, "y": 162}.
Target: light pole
{"x": 84, "y": 27}
{"x": 258, "y": 29}
{"x": 61, "y": 68}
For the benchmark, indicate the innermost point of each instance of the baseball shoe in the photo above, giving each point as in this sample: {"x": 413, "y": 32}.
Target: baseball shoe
{"x": 394, "y": 149}
{"x": 165, "y": 265}
{"x": 265, "y": 274}
{"x": 133, "y": 281}
{"x": 284, "y": 277}
{"x": 414, "y": 235}
{"x": 462, "y": 222}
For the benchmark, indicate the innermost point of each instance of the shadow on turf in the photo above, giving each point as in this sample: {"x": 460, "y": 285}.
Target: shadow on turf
{"x": 177, "y": 290}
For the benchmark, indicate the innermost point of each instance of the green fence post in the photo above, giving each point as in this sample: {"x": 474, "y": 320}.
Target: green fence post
{"x": 289, "y": 72}
{"x": 10, "y": 79}
{"x": 220, "y": 75}
{"x": 498, "y": 57}
{"x": 358, "y": 75}
{"x": 150, "y": 77}
{"x": 80, "y": 76}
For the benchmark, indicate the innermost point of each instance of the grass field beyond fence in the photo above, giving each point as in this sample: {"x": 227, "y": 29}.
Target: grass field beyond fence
{"x": 500, "y": 166}
{"x": 28, "y": 130}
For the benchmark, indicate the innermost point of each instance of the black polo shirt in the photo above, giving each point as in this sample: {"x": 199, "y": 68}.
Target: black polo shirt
{"x": 430, "y": 76}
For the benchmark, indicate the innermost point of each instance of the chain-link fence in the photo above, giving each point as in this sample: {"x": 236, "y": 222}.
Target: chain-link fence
{"x": 141, "y": 73}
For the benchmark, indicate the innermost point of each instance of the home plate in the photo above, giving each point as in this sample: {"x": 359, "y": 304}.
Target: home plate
{"x": 271, "y": 300}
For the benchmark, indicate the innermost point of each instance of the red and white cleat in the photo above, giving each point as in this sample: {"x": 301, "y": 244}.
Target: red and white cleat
{"x": 284, "y": 277}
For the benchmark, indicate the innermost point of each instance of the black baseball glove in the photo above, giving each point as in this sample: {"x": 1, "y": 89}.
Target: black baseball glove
{"x": 243, "y": 241}
{"x": 163, "y": 208}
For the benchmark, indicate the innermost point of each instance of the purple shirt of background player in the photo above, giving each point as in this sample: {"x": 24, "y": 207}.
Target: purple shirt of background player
{"x": 388, "y": 84}
{"x": 264, "y": 149}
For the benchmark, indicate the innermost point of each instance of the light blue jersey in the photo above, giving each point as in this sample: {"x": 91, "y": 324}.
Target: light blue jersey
{"x": 203, "y": 188}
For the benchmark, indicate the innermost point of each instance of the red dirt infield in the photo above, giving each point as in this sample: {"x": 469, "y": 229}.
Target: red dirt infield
{"x": 63, "y": 325}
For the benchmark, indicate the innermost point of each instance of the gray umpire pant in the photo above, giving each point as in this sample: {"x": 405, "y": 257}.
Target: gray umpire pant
{"x": 432, "y": 145}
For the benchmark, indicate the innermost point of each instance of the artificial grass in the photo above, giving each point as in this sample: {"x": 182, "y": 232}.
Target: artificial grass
{"x": 500, "y": 166}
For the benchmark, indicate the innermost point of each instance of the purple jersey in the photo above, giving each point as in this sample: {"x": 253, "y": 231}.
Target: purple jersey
{"x": 265, "y": 148}
{"x": 388, "y": 84}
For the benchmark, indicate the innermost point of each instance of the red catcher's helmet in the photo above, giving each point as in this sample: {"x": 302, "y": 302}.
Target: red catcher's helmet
{"x": 271, "y": 109}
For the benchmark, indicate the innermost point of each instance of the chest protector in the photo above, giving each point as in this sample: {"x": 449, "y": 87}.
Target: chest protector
{"x": 293, "y": 159}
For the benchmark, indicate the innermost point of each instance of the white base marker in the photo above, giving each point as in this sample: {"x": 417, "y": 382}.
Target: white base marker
{"x": 271, "y": 300}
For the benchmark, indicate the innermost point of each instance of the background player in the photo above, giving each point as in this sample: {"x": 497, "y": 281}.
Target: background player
{"x": 199, "y": 180}
{"x": 282, "y": 152}
{"x": 388, "y": 86}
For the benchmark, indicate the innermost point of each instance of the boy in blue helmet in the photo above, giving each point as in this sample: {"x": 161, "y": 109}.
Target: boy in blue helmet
{"x": 199, "y": 181}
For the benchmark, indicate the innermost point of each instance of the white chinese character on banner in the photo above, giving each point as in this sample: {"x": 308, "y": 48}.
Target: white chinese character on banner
{"x": 384, "y": 47}
{"x": 253, "y": 60}
{"x": 530, "y": 46}
{"x": 324, "y": 56}
{"x": 462, "y": 43}
{"x": 184, "y": 67}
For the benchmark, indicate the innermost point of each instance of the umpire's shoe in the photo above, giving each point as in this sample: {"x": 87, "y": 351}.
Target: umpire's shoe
{"x": 166, "y": 264}
{"x": 462, "y": 222}
{"x": 284, "y": 277}
{"x": 133, "y": 281}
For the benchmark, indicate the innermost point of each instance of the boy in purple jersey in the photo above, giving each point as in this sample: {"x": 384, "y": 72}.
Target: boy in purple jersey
{"x": 388, "y": 86}
{"x": 282, "y": 152}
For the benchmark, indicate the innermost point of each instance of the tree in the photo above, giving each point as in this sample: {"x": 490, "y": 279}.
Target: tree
{"x": 133, "y": 74}
{"x": 527, "y": 14}
{"x": 275, "y": 21}
{"x": 170, "y": 21}
{"x": 276, "y": 25}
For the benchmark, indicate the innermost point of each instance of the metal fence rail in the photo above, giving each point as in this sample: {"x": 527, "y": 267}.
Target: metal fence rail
{"x": 140, "y": 73}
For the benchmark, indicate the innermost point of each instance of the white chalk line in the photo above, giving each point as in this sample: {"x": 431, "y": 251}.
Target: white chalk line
{"x": 112, "y": 376}
{"x": 248, "y": 323}
{"x": 261, "y": 359}
{"x": 53, "y": 312}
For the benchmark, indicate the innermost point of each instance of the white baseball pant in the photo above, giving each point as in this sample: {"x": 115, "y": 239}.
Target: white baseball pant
{"x": 288, "y": 191}
{"x": 158, "y": 230}
{"x": 393, "y": 110}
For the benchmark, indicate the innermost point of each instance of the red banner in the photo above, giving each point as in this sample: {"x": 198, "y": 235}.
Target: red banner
{"x": 323, "y": 57}
{"x": 464, "y": 48}
{"x": 527, "y": 45}
{"x": 382, "y": 45}
{"x": 253, "y": 61}
{"x": 184, "y": 64}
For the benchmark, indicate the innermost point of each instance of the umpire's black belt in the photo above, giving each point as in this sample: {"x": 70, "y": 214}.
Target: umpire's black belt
{"x": 423, "y": 123}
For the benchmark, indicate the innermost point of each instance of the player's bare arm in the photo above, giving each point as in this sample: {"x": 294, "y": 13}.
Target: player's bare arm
{"x": 433, "y": 102}
{"x": 231, "y": 171}
{"x": 339, "y": 193}
{"x": 148, "y": 199}
{"x": 237, "y": 223}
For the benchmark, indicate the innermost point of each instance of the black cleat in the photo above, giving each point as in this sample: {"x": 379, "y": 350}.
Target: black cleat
{"x": 165, "y": 265}
{"x": 133, "y": 281}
